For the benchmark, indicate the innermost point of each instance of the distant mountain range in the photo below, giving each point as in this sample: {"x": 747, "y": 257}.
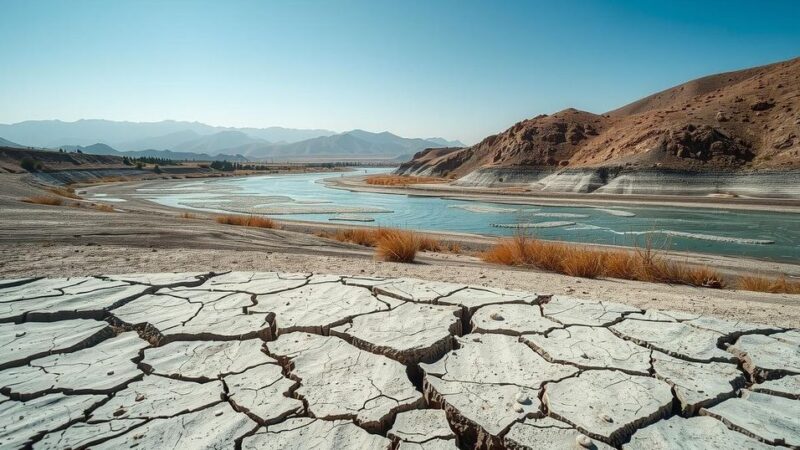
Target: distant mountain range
{"x": 7, "y": 143}
{"x": 103, "y": 149}
{"x": 197, "y": 141}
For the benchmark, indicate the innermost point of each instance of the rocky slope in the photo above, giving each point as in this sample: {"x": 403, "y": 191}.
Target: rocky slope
{"x": 735, "y": 122}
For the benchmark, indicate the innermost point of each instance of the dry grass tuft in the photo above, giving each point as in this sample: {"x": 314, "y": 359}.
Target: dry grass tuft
{"x": 397, "y": 245}
{"x": 65, "y": 192}
{"x": 454, "y": 247}
{"x": 401, "y": 180}
{"x": 428, "y": 244}
{"x": 778, "y": 285}
{"x": 248, "y": 221}
{"x": 359, "y": 236}
{"x": 187, "y": 215}
{"x": 103, "y": 207}
{"x": 642, "y": 264}
{"x": 44, "y": 200}
{"x": 369, "y": 237}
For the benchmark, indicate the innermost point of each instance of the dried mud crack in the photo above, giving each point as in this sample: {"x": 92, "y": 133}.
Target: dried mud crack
{"x": 271, "y": 360}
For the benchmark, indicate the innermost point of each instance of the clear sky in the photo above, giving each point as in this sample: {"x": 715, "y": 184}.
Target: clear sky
{"x": 453, "y": 68}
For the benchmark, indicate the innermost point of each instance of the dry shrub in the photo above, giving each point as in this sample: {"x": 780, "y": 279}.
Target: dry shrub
{"x": 454, "y": 247}
{"x": 65, "y": 192}
{"x": 428, "y": 244}
{"x": 369, "y": 237}
{"x": 397, "y": 245}
{"x": 401, "y": 180}
{"x": 392, "y": 244}
{"x": 359, "y": 236}
{"x": 187, "y": 215}
{"x": 776, "y": 285}
{"x": 103, "y": 207}
{"x": 247, "y": 221}
{"x": 583, "y": 263}
{"x": 642, "y": 264}
{"x": 44, "y": 200}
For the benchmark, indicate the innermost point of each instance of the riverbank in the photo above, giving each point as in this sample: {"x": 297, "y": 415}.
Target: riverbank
{"x": 143, "y": 236}
{"x": 519, "y": 196}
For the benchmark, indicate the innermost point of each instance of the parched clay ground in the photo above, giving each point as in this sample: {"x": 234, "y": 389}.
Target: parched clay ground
{"x": 300, "y": 360}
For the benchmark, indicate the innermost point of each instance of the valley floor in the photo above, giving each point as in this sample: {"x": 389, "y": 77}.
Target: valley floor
{"x": 37, "y": 240}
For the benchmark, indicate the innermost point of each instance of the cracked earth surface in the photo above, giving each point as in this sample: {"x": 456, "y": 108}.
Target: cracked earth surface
{"x": 312, "y": 361}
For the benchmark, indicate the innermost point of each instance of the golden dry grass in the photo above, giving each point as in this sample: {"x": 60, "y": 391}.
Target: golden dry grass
{"x": 401, "y": 180}
{"x": 369, "y": 237}
{"x": 65, "y": 192}
{"x": 774, "y": 285}
{"x": 397, "y": 245}
{"x": 187, "y": 215}
{"x": 574, "y": 260}
{"x": 103, "y": 207}
{"x": 247, "y": 221}
{"x": 428, "y": 244}
{"x": 454, "y": 247}
{"x": 44, "y": 200}
{"x": 359, "y": 236}
{"x": 391, "y": 244}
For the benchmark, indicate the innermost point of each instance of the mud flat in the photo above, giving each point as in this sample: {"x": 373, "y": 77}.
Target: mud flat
{"x": 234, "y": 359}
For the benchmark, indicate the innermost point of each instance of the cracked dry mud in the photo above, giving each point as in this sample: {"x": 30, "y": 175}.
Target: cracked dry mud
{"x": 309, "y": 361}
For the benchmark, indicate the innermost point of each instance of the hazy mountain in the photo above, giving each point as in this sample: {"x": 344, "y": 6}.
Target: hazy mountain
{"x": 134, "y": 135}
{"x": 352, "y": 144}
{"x": 7, "y": 143}
{"x": 445, "y": 143}
{"x": 217, "y": 142}
{"x": 280, "y": 135}
{"x": 198, "y": 138}
{"x": 103, "y": 149}
{"x": 160, "y": 142}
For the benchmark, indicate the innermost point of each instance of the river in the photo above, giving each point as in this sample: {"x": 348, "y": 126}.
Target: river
{"x": 757, "y": 234}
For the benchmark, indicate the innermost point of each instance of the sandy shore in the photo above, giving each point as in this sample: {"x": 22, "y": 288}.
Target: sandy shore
{"x": 146, "y": 237}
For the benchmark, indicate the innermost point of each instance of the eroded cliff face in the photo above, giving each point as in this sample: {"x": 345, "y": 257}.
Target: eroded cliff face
{"x": 738, "y": 122}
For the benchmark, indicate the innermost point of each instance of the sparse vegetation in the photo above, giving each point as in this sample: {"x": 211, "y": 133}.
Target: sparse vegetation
{"x": 401, "y": 180}
{"x": 774, "y": 285}
{"x": 369, "y": 237}
{"x": 30, "y": 164}
{"x": 44, "y": 200}
{"x": 65, "y": 192}
{"x": 391, "y": 244}
{"x": 187, "y": 215}
{"x": 103, "y": 207}
{"x": 640, "y": 264}
{"x": 395, "y": 245}
{"x": 248, "y": 221}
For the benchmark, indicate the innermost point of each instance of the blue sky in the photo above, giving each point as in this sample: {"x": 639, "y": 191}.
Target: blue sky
{"x": 458, "y": 69}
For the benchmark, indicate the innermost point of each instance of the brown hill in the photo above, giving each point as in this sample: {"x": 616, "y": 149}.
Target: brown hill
{"x": 749, "y": 119}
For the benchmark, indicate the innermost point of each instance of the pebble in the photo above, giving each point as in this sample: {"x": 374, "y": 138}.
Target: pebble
{"x": 497, "y": 316}
{"x": 583, "y": 441}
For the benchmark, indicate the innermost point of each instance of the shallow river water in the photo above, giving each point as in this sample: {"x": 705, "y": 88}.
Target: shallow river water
{"x": 764, "y": 235}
